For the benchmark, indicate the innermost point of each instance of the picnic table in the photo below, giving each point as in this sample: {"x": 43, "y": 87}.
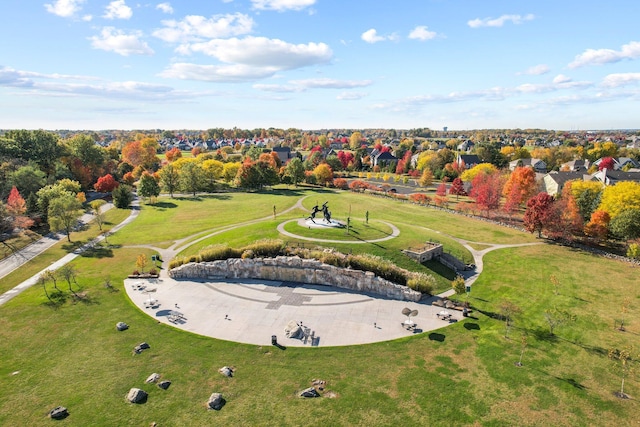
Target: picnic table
{"x": 175, "y": 316}
{"x": 409, "y": 324}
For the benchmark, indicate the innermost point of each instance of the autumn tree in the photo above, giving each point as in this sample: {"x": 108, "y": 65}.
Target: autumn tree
{"x": 567, "y": 221}
{"x": 607, "y": 163}
{"x": 598, "y": 225}
{"x": 355, "y": 140}
{"x": 539, "y": 212}
{"x": 96, "y": 210}
{"x": 105, "y": 184}
{"x": 141, "y": 262}
{"x": 63, "y": 213}
{"x": 323, "y": 174}
{"x": 17, "y": 207}
{"x": 623, "y": 195}
{"x": 137, "y": 153}
{"x": 173, "y": 154}
{"x": 230, "y": 171}
{"x": 520, "y": 186}
{"x": 587, "y": 195}
{"x": 346, "y": 158}
{"x": 486, "y": 189}
{"x": 213, "y": 170}
{"x": 426, "y": 179}
{"x": 623, "y": 358}
{"x": 457, "y": 188}
{"x": 486, "y": 168}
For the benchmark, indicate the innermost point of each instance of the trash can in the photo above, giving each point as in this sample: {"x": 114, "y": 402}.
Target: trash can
{"x": 465, "y": 312}
{"x": 274, "y": 340}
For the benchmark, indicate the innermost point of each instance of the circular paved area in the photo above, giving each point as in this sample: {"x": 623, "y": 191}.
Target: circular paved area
{"x": 395, "y": 232}
{"x": 251, "y": 311}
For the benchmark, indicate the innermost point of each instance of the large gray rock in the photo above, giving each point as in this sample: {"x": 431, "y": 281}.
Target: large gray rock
{"x": 226, "y": 371}
{"x": 142, "y": 346}
{"x": 293, "y": 330}
{"x": 121, "y": 326}
{"x": 216, "y": 401}
{"x": 309, "y": 392}
{"x": 58, "y": 413}
{"x": 164, "y": 384}
{"x": 152, "y": 378}
{"x": 136, "y": 395}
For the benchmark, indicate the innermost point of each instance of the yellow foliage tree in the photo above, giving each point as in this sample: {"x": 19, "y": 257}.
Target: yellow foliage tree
{"x": 623, "y": 195}
{"x": 469, "y": 174}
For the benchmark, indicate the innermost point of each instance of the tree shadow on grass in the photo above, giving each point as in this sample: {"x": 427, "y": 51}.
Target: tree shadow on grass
{"x": 470, "y": 326}
{"x": 434, "y": 336}
{"x": 487, "y": 313}
{"x": 98, "y": 252}
{"x": 164, "y": 205}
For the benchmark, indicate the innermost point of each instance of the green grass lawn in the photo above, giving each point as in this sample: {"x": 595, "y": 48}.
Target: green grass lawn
{"x": 464, "y": 374}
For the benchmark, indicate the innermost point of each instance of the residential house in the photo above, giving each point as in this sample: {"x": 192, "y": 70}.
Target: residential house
{"x": 612, "y": 177}
{"x": 383, "y": 158}
{"x": 536, "y": 164}
{"x": 578, "y": 165}
{"x": 553, "y": 182}
{"x": 468, "y": 160}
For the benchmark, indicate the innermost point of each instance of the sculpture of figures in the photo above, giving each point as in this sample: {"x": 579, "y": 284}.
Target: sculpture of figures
{"x": 326, "y": 212}
{"x": 315, "y": 210}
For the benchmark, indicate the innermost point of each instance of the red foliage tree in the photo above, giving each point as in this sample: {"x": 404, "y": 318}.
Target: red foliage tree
{"x": 520, "y": 186}
{"x": 358, "y": 186}
{"x": 173, "y": 154}
{"x": 105, "y": 184}
{"x": 195, "y": 151}
{"x": 598, "y": 226}
{"x": 486, "y": 189}
{"x": 568, "y": 221}
{"x": 340, "y": 183}
{"x": 128, "y": 178}
{"x": 346, "y": 158}
{"x": 607, "y": 163}
{"x": 420, "y": 198}
{"x": 457, "y": 188}
{"x": 16, "y": 207}
{"x": 441, "y": 190}
{"x": 539, "y": 213}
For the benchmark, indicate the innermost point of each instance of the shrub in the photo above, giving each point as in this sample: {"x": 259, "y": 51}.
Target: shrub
{"x": 153, "y": 272}
{"x": 248, "y": 254}
{"x": 135, "y": 273}
{"x": 378, "y": 266}
{"x": 217, "y": 252}
{"x": 267, "y": 248}
{"x": 421, "y": 282}
{"x": 340, "y": 183}
{"x": 176, "y": 262}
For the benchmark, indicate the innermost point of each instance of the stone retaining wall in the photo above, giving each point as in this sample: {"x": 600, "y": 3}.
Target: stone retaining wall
{"x": 295, "y": 269}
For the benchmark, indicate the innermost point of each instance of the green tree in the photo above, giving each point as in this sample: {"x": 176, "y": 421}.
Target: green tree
{"x": 508, "y": 310}
{"x": 169, "y": 178}
{"x": 295, "y": 171}
{"x": 47, "y": 194}
{"x": 622, "y": 358}
{"x": 28, "y": 180}
{"x": 39, "y": 146}
{"x": 148, "y": 186}
{"x": 122, "y": 196}
{"x": 63, "y": 213}
{"x": 556, "y": 317}
{"x": 626, "y": 225}
{"x": 191, "y": 177}
{"x": 68, "y": 273}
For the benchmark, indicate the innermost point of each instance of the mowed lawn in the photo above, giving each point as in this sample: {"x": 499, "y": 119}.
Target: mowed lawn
{"x": 463, "y": 374}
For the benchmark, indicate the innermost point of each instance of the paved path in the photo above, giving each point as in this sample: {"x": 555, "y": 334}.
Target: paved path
{"x": 395, "y": 232}
{"x": 21, "y": 257}
{"x": 66, "y": 259}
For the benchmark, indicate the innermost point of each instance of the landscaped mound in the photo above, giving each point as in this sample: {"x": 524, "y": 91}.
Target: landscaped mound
{"x": 420, "y": 282}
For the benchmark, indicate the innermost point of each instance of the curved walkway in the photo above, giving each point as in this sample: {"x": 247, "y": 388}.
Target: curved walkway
{"x": 395, "y": 232}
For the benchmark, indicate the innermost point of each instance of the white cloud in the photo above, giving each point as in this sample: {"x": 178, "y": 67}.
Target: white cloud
{"x": 197, "y": 28}
{"x": 125, "y": 44}
{"x": 499, "y": 22}
{"x": 278, "y": 88}
{"x": 630, "y": 50}
{"x": 422, "y": 33}
{"x": 87, "y": 18}
{"x": 64, "y": 8}
{"x": 561, "y": 78}
{"x": 536, "y": 70}
{"x": 351, "y": 96}
{"x": 236, "y": 73}
{"x": 73, "y": 85}
{"x": 117, "y": 9}
{"x": 262, "y": 52}
{"x": 326, "y": 83}
{"x": 282, "y": 5}
{"x": 371, "y": 36}
{"x": 621, "y": 79}
{"x": 165, "y": 7}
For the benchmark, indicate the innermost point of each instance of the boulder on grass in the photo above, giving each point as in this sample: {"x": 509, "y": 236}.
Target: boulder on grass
{"x": 216, "y": 401}
{"x": 142, "y": 346}
{"x": 226, "y": 371}
{"x": 152, "y": 378}
{"x": 58, "y": 413}
{"x": 121, "y": 326}
{"x": 309, "y": 392}
{"x": 164, "y": 384}
{"x": 136, "y": 395}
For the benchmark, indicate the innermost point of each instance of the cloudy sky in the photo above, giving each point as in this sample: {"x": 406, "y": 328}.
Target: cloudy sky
{"x": 311, "y": 64}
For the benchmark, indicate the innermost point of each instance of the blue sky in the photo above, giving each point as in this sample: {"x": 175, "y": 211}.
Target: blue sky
{"x": 311, "y": 64}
